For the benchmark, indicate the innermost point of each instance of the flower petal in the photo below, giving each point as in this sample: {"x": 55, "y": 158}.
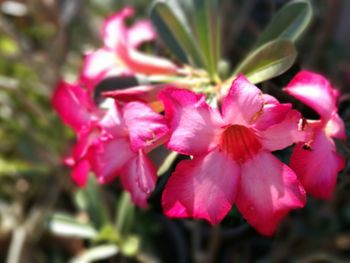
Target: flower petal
{"x": 242, "y": 103}
{"x": 335, "y": 127}
{"x": 268, "y": 190}
{"x": 272, "y": 114}
{"x": 115, "y": 35}
{"x": 203, "y": 188}
{"x": 112, "y": 123}
{"x": 139, "y": 177}
{"x": 85, "y": 140}
{"x": 315, "y": 91}
{"x": 144, "y": 93}
{"x": 80, "y": 172}
{"x": 194, "y": 126}
{"x": 114, "y": 31}
{"x": 317, "y": 167}
{"x": 283, "y": 134}
{"x": 142, "y": 63}
{"x": 141, "y": 31}
{"x": 98, "y": 64}
{"x": 268, "y": 99}
{"x": 108, "y": 156}
{"x": 72, "y": 104}
{"x": 144, "y": 125}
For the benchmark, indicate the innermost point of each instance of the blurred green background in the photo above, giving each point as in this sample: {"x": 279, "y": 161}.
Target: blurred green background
{"x": 43, "y": 40}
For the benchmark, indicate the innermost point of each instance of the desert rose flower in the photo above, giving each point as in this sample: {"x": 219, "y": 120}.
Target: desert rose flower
{"x": 232, "y": 160}
{"x": 316, "y": 161}
{"x": 76, "y": 109}
{"x": 119, "y": 55}
{"x": 111, "y": 142}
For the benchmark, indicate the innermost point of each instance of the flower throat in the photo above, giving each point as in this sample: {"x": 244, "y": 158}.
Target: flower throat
{"x": 239, "y": 143}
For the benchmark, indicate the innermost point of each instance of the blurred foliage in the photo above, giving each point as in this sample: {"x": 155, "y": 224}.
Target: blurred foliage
{"x": 47, "y": 42}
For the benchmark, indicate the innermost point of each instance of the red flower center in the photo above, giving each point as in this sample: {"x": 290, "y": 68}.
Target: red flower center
{"x": 239, "y": 142}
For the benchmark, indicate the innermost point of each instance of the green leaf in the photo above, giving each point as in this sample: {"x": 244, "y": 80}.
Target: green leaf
{"x": 175, "y": 32}
{"x": 16, "y": 167}
{"x": 130, "y": 246}
{"x": 8, "y": 46}
{"x": 288, "y": 23}
{"x": 207, "y": 29}
{"x": 125, "y": 214}
{"x": 65, "y": 225}
{"x": 268, "y": 61}
{"x": 89, "y": 200}
{"x": 182, "y": 8}
{"x": 96, "y": 253}
{"x": 108, "y": 233}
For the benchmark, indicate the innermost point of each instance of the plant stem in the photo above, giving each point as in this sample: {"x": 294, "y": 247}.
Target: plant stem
{"x": 16, "y": 246}
{"x": 214, "y": 243}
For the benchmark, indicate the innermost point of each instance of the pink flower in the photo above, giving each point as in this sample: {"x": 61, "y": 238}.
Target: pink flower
{"x": 119, "y": 55}
{"x": 111, "y": 141}
{"x": 231, "y": 161}
{"x": 316, "y": 161}
{"x": 76, "y": 109}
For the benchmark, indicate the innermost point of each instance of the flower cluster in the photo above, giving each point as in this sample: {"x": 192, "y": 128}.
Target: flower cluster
{"x": 114, "y": 140}
{"x": 230, "y": 141}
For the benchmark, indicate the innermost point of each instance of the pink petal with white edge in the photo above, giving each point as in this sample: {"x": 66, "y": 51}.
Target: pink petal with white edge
{"x": 80, "y": 172}
{"x": 72, "y": 104}
{"x": 115, "y": 36}
{"x": 268, "y": 190}
{"x": 317, "y": 167}
{"x": 139, "y": 177}
{"x": 315, "y": 91}
{"x": 98, "y": 64}
{"x": 242, "y": 103}
{"x": 203, "y": 188}
{"x": 140, "y": 32}
{"x": 272, "y": 114}
{"x": 114, "y": 31}
{"x": 146, "y": 64}
{"x": 144, "y": 125}
{"x": 283, "y": 134}
{"x": 194, "y": 126}
{"x": 335, "y": 127}
{"x": 108, "y": 156}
